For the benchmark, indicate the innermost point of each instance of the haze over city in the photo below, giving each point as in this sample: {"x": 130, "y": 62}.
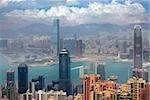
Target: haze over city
{"x": 23, "y": 16}
{"x": 74, "y": 50}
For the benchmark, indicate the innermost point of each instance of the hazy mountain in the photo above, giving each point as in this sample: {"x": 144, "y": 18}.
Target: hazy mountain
{"x": 80, "y": 29}
{"x": 84, "y": 29}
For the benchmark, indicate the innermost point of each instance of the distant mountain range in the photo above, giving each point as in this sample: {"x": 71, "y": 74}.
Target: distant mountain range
{"x": 84, "y": 29}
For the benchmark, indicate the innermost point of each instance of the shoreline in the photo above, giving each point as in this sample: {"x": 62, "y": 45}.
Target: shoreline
{"x": 48, "y": 71}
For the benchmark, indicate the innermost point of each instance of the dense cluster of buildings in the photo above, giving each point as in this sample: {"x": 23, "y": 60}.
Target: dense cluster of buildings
{"x": 134, "y": 89}
{"x": 93, "y": 87}
{"x": 44, "y": 44}
{"x": 130, "y": 51}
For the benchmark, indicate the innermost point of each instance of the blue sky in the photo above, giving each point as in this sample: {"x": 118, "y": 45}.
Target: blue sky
{"x": 86, "y": 11}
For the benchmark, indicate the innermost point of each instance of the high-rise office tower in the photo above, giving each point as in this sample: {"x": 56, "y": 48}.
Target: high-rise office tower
{"x": 125, "y": 46}
{"x": 130, "y": 51}
{"x": 79, "y": 48}
{"x": 65, "y": 71}
{"x": 10, "y": 85}
{"x": 22, "y": 78}
{"x": 42, "y": 82}
{"x": 101, "y": 71}
{"x": 138, "y": 70}
{"x": 138, "y": 56}
{"x": 39, "y": 83}
{"x": 56, "y": 32}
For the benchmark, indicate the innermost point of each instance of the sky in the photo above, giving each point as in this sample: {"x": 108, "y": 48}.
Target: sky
{"x": 76, "y": 12}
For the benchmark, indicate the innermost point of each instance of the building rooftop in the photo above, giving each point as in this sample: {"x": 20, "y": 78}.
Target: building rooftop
{"x": 136, "y": 80}
{"x": 64, "y": 51}
{"x": 23, "y": 65}
{"x": 137, "y": 27}
{"x": 10, "y": 71}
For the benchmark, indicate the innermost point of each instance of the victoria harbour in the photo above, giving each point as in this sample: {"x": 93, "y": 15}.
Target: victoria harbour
{"x": 120, "y": 69}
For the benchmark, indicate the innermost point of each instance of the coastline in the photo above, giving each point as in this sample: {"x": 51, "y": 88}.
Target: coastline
{"x": 50, "y": 72}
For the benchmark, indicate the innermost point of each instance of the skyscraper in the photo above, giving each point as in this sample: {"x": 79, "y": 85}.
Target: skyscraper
{"x": 124, "y": 46}
{"x": 64, "y": 71}
{"x": 79, "y": 48}
{"x": 101, "y": 71}
{"x": 39, "y": 83}
{"x": 10, "y": 85}
{"x": 138, "y": 70}
{"x": 138, "y": 56}
{"x": 42, "y": 82}
{"x": 11, "y": 76}
{"x": 56, "y": 32}
{"x": 22, "y": 78}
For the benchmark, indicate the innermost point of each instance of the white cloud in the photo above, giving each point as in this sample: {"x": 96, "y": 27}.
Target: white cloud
{"x": 71, "y": 0}
{"x": 94, "y": 13}
{"x": 4, "y": 3}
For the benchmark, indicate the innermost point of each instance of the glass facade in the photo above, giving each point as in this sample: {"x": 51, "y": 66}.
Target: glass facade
{"x": 22, "y": 78}
{"x": 64, "y": 71}
{"x": 138, "y": 47}
{"x": 56, "y": 32}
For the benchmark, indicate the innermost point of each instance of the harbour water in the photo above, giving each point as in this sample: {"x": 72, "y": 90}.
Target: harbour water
{"x": 50, "y": 72}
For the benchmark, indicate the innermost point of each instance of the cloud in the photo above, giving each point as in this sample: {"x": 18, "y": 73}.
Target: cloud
{"x": 71, "y": 0}
{"x": 4, "y": 3}
{"x": 114, "y": 12}
{"x": 7, "y": 1}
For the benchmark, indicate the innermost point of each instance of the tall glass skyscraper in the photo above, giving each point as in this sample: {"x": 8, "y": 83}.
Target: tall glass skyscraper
{"x": 56, "y": 31}
{"x": 22, "y": 78}
{"x": 138, "y": 56}
{"x": 101, "y": 71}
{"x": 138, "y": 70}
{"x": 65, "y": 72}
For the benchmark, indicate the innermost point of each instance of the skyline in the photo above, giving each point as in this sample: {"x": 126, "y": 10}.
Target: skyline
{"x": 74, "y": 49}
{"x": 39, "y": 52}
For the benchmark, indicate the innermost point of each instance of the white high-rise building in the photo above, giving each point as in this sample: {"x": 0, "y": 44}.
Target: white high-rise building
{"x": 42, "y": 95}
